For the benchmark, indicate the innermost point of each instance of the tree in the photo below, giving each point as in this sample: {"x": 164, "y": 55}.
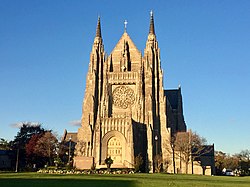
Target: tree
{"x": 189, "y": 146}
{"x": 166, "y": 163}
{"x": 219, "y": 161}
{"x": 138, "y": 163}
{"x": 231, "y": 162}
{"x": 183, "y": 148}
{"x": 47, "y": 146}
{"x": 32, "y": 157}
{"x": 199, "y": 148}
{"x": 63, "y": 151}
{"x": 223, "y": 160}
{"x": 4, "y": 144}
{"x": 30, "y": 146}
{"x": 244, "y": 161}
{"x": 245, "y": 155}
{"x": 158, "y": 162}
{"x": 66, "y": 151}
{"x": 26, "y": 131}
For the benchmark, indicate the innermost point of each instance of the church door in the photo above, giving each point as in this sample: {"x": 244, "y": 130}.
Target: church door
{"x": 115, "y": 150}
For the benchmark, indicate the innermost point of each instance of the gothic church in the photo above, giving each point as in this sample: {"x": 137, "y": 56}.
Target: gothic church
{"x": 126, "y": 111}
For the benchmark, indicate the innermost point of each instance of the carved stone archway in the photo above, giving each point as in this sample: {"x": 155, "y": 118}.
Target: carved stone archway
{"x": 114, "y": 145}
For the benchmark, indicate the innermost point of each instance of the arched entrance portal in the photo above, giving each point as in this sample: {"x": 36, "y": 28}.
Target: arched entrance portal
{"x": 115, "y": 150}
{"x": 114, "y": 145}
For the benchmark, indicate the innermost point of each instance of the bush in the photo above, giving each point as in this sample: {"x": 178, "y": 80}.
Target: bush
{"x": 138, "y": 162}
{"x": 109, "y": 162}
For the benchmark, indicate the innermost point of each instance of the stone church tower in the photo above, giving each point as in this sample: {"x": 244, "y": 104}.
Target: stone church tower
{"x": 125, "y": 108}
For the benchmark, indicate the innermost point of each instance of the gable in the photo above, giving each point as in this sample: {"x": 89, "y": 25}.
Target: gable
{"x": 117, "y": 53}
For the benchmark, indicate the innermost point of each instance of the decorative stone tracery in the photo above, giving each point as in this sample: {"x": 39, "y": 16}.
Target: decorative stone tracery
{"x": 123, "y": 97}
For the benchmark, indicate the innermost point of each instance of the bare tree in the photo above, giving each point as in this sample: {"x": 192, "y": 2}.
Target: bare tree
{"x": 158, "y": 162}
{"x": 138, "y": 162}
{"x": 166, "y": 163}
{"x": 189, "y": 146}
{"x": 244, "y": 161}
{"x": 182, "y": 148}
{"x": 245, "y": 155}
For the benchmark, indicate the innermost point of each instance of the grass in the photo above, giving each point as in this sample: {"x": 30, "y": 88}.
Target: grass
{"x": 129, "y": 180}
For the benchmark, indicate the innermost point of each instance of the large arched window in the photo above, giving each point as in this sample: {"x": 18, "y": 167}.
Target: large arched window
{"x": 115, "y": 149}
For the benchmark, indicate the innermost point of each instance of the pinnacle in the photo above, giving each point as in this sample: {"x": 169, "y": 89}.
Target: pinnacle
{"x": 98, "y": 28}
{"x": 151, "y": 27}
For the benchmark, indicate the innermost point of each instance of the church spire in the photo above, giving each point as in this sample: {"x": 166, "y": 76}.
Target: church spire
{"x": 98, "y": 28}
{"x": 151, "y": 27}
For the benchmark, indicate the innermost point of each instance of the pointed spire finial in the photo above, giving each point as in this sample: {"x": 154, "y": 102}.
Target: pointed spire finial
{"x": 151, "y": 27}
{"x": 98, "y": 28}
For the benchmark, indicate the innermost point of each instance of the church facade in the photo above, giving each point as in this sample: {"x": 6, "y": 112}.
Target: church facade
{"x": 126, "y": 111}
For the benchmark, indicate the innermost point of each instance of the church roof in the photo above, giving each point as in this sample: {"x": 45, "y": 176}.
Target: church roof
{"x": 69, "y": 136}
{"x": 204, "y": 150}
{"x": 172, "y": 96}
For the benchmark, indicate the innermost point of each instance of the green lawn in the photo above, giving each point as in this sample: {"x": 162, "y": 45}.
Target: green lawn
{"x": 129, "y": 180}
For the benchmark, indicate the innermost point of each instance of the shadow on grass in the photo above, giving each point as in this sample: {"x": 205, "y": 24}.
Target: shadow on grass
{"x": 65, "y": 183}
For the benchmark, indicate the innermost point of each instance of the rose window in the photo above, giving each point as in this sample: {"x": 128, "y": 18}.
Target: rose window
{"x": 123, "y": 97}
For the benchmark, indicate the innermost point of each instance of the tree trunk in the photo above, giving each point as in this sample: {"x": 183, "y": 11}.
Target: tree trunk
{"x": 17, "y": 159}
{"x": 192, "y": 162}
{"x": 50, "y": 161}
{"x": 187, "y": 167}
{"x": 174, "y": 160}
{"x": 180, "y": 163}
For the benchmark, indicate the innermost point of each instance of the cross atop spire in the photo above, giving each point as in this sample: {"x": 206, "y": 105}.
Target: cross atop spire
{"x": 151, "y": 27}
{"x": 98, "y": 28}
{"x": 125, "y": 25}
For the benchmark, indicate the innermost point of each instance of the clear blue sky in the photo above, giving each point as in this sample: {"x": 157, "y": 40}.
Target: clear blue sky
{"x": 205, "y": 47}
